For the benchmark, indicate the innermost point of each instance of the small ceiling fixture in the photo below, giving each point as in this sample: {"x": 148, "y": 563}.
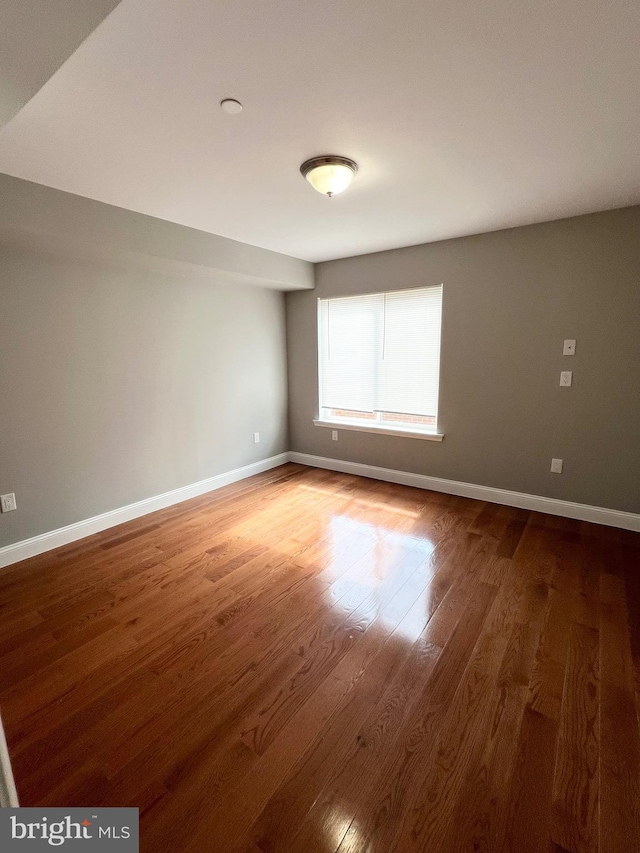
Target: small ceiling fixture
{"x": 231, "y": 106}
{"x": 329, "y": 174}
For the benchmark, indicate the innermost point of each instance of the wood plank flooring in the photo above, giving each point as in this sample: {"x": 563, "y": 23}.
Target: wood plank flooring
{"x": 311, "y": 661}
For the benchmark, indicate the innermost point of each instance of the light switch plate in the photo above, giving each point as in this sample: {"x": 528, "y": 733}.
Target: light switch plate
{"x": 556, "y": 466}
{"x": 566, "y": 377}
{"x": 8, "y": 502}
{"x": 569, "y": 347}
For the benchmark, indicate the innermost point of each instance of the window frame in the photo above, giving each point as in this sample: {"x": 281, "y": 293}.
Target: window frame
{"x": 377, "y": 426}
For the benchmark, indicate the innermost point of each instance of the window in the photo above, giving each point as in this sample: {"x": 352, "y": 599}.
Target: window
{"x": 379, "y": 361}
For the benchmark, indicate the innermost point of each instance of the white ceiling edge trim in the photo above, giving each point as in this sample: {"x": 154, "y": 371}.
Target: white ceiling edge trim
{"x": 39, "y": 217}
{"x": 537, "y": 503}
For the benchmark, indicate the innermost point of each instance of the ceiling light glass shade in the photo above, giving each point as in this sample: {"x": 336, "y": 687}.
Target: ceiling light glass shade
{"x": 329, "y": 175}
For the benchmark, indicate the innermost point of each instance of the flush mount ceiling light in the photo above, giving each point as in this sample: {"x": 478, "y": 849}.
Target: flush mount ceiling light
{"x": 329, "y": 174}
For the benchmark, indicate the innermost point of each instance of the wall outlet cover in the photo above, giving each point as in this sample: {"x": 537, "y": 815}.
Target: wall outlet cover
{"x": 556, "y": 466}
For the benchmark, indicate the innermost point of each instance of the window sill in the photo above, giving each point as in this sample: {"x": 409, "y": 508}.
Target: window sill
{"x": 381, "y": 430}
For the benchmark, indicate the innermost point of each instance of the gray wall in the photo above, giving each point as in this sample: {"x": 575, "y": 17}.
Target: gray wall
{"x": 510, "y": 298}
{"x": 116, "y": 386}
{"x": 65, "y": 224}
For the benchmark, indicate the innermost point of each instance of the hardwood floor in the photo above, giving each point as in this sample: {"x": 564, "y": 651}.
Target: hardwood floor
{"x": 310, "y": 661}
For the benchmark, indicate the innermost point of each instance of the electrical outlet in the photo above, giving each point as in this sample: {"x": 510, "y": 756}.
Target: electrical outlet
{"x": 569, "y": 347}
{"x": 334, "y": 435}
{"x": 556, "y": 466}
{"x": 566, "y": 377}
{"x": 256, "y": 438}
{"x": 8, "y": 502}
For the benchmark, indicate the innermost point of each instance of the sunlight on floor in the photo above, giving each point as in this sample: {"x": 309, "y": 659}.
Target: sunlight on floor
{"x": 383, "y": 562}
{"x": 359, "y": 501}
{"x": 337, "y": 825}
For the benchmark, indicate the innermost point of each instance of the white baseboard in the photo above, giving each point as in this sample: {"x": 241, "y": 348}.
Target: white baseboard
{"x": 8, "y": 793}
{"x": 64, "y": 535}
{"x": 552, "y": 506}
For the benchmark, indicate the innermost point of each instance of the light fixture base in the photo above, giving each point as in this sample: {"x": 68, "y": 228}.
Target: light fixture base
{"x": 328, "y": 160}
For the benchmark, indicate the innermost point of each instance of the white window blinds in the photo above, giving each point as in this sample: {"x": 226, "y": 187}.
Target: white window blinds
{"x": 381, "y": 352}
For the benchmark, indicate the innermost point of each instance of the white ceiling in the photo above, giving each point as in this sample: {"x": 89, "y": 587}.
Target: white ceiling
{"x": 464, "y": 117}
{"x": 35, "y": 39}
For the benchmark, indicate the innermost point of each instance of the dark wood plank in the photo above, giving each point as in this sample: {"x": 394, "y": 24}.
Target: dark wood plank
{"x": 530, "y": 794}
{"x": 575, "y": 816}
{"x": 619, "y": 731}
